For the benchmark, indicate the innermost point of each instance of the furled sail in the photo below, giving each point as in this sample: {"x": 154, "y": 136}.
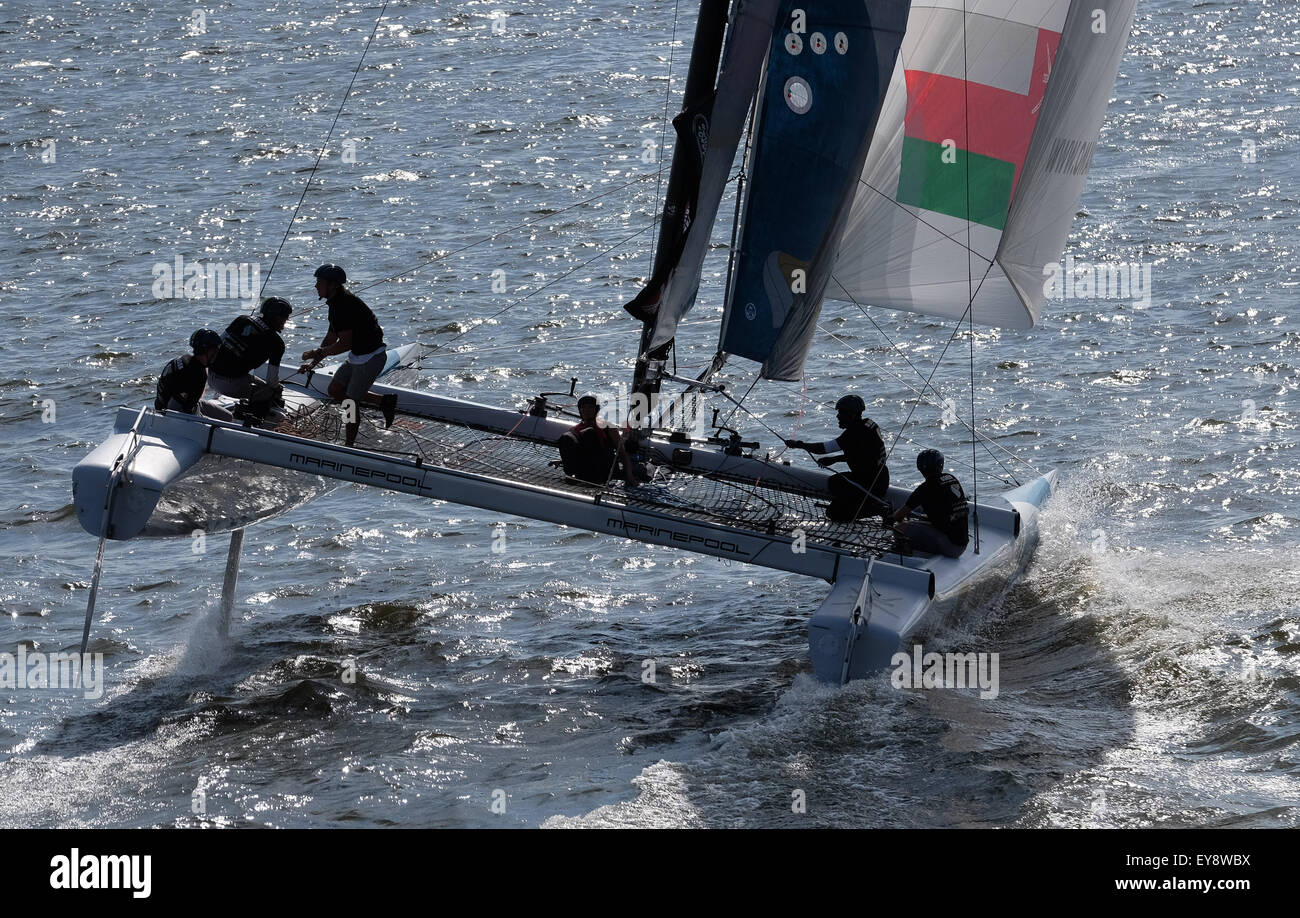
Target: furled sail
{"x": 829, "y": 68}
{"x": 980, "y": 156}
{"x": 671, "y": 293}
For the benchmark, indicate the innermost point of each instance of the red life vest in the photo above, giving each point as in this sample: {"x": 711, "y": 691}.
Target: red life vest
{"x": 600, "y": 429}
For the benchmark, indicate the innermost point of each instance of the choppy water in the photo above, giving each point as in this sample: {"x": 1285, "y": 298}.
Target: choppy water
{"x": 1150, "y": 659}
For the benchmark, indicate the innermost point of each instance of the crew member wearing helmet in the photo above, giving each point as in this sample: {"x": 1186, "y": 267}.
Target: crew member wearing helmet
{"x": 864, "y": 489}
{"x": 592, "y": 451}
{"x": 945, "y": 531}
{"x": 353, "y": 330}
{"x": 181, "y": 384}
{"x": 249, "y": 342}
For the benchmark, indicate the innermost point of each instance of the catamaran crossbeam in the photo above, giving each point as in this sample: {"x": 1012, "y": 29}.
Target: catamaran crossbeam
{"x": 876, "y": 603}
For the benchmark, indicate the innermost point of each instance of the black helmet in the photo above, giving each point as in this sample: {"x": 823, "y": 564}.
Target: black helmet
{"x": 588, "y": 400}
{"x": 332, "y": 273}
{"x": 276, "y": 308}
{"x": 852, "y": 404}
{"x": 929, "y": 462}
{"x": 205, "y": 339}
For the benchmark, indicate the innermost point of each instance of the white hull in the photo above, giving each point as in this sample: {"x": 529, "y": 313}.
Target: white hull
{"x": 874, "y": 608}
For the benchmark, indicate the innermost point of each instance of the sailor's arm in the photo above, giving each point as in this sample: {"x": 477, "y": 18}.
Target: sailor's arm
{"x": 273, "y": 363}
{"x": 817, "y": 449}
{"x": 334, "y": 343}
{"x": 912, "y": 502}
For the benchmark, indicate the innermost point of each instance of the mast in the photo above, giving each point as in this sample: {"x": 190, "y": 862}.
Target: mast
{"x": 683, "y": 185}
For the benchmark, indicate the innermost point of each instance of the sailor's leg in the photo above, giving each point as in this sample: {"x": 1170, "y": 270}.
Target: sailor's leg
{"x": 215, "y": 411}
{"x": 363, "y": 377}
{"x": 844, "y": 498}
{"x": 876, "y": 501}
{"x": 233, "y": 386}
{"x": 880, "y": 488}
{"x": 264, "y": 399}
{"x": 609, "y": 464}
{"x": 340, "y": 389}
{"x": 585, "y": 456}
{"x": 851, "y": 500}
{"x": 356, "y": 380}
{"x": 570, "y": 453}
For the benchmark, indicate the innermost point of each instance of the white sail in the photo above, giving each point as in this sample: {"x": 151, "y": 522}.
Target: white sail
{"x": 980, "y": 155}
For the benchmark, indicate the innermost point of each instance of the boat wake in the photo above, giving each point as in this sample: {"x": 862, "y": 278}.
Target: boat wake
{"x": 1133, "y": 684}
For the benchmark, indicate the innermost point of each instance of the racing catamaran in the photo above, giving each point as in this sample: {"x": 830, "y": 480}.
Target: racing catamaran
{"x": 925, "y": 157}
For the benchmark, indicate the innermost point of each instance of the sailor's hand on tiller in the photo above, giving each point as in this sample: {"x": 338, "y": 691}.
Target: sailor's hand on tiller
{"x": 796, "y": 444}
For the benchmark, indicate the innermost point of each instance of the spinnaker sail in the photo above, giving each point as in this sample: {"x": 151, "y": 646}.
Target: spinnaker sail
{"x": 980, "y": 156}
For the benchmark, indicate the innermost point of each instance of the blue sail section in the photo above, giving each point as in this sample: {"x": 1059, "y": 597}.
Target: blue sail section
{"x": 829, "y": 66}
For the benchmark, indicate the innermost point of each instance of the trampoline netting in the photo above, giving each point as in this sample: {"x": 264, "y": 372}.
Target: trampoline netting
{"x": 750, "y": 505}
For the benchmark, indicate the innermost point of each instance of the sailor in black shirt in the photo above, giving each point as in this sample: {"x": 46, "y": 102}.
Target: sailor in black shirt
{"x": 864, "y": 489}
{"x": 249, "y": 342}
{"x": 353, "y": 330}
{"x": 181, "y": 384}
{"x": 946, "y": 529}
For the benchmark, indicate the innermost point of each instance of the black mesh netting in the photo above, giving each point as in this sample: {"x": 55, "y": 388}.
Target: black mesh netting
{"x": 753, "y": 506}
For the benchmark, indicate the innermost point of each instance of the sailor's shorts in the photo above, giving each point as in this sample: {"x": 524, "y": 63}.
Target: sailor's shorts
{"x": 357, "y": 378}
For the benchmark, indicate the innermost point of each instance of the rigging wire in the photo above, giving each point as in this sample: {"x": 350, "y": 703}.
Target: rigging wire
{"x": 549, "y": 341}
{"x": 907, "y": 420}
{"x": 441, "y": 344}
{"x": 740, "y": 201}
{"x": 510, "y": 229}
{"x": 970, "y": 276}
{"x": 917, "y": 217}
{"x": 640, "y": 178}
{"x": 509, "y": 306}
{"x": 741, "y": 404}
{"x": 883, "y": 334}
{"x": 324, "y": 146}
{"x": 663, "y": 124}
{"x": 987, "y": 443}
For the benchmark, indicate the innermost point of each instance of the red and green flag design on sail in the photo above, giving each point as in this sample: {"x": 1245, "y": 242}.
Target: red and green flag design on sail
{"x": 1001, "y": 126}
